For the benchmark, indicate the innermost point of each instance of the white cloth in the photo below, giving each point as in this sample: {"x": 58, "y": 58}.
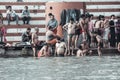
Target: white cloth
{"x": 106, "y": 33}
{"x": 11, "y": 13}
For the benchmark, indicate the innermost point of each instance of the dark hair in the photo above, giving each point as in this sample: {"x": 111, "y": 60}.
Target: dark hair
{"x": 91, "y": 15}
{"x": 26, "y": 6}
{"x": 50, "y": 14}
{"x": 80, "y": 47}
{"x": 101, "y": 16}
{"x": 71, "y": 19}
{"x": 49, "y": 27}
{"x": 29, "y": 28}
{"x": 112, "y": 15}
{"x": 83, "y": 15}
{"x": 8, "y": 7}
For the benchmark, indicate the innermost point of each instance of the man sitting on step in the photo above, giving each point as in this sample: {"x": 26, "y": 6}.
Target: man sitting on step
{"x": 11, "y": 15}
{"x": 26, "y": 15}
{"x": 26, "y": 36}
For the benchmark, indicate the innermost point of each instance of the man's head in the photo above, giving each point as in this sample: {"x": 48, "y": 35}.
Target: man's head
{"x": 28, "y": 30}
{"x": 52, "y": 17}
{"x": 80, "y": 47}
{"x": 50, "y": 14}
{"x": 112, "y": 16}
{"x": 26, "y": 7}
{"x": 49, "y": 27}
{"x": 91, "y": 16}
{"x": 101, "y": 17}
{"x": 36, "y": 29}
{"x": 71, "y": 20}
{"x": 9, "y": 8}
{"x": 83, "y": 16}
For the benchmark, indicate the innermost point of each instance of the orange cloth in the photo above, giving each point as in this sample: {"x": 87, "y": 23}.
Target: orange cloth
{"x": 60, "y": 31}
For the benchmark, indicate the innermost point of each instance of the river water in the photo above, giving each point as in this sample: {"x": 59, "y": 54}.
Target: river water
{"x": 61, "y": 68}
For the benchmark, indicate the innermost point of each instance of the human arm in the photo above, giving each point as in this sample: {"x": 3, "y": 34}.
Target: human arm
{"x": 65, "y": 26}
{"x": 65, "y": 49}
{"x": 118, "y": 47}
{"x": 33, "y": 38}
{"x": 81, "y": 25}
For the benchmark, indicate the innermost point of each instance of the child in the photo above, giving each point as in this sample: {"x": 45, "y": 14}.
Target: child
{"x": 80, "y": 52}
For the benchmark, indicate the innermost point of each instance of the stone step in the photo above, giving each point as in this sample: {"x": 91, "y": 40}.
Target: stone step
{"x": 19, "y": 53}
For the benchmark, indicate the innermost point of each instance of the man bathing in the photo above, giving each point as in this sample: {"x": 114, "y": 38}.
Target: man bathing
{"x": 45, "y": 50}
{"x": 51, "y": 37}
{"x": 70, "y": 28}
{"x": 83, "y": 49}
{"x": 61, "y": 48}
{"x": 35, "y": 41}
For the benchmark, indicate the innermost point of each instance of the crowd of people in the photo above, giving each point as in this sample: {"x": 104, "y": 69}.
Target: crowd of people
{"x": 102, "y": 33}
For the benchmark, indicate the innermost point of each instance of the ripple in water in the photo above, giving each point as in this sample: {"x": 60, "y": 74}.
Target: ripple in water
{"x": 61, "y": 68}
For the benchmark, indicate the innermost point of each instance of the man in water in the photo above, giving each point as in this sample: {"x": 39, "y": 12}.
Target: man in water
{"x": 61, "y": 48}
{"x": 51, "y": 37}
{"x": 99, "y": 43}
{"x": 35, "y": 41}
{"x": 83, "y": 49}
{"x": 82, "y": 24}
{"x": 70, "y": 28}
{"x": 45, "y": 50}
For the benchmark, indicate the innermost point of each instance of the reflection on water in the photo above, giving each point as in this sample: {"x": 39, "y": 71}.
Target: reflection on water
{"x": 61, "y": 68}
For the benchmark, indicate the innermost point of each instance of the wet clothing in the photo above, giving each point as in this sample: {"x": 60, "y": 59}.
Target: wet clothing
{"x": 63, "y": 18}
{"x": 112, "y": 33}
{"x": 77, "y": 32}
{"x": 71, "y": 35}
{"x": 106, "y": 33}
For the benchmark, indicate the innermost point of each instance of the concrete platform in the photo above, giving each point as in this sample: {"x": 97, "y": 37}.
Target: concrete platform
{"x": 11, "y": 52}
